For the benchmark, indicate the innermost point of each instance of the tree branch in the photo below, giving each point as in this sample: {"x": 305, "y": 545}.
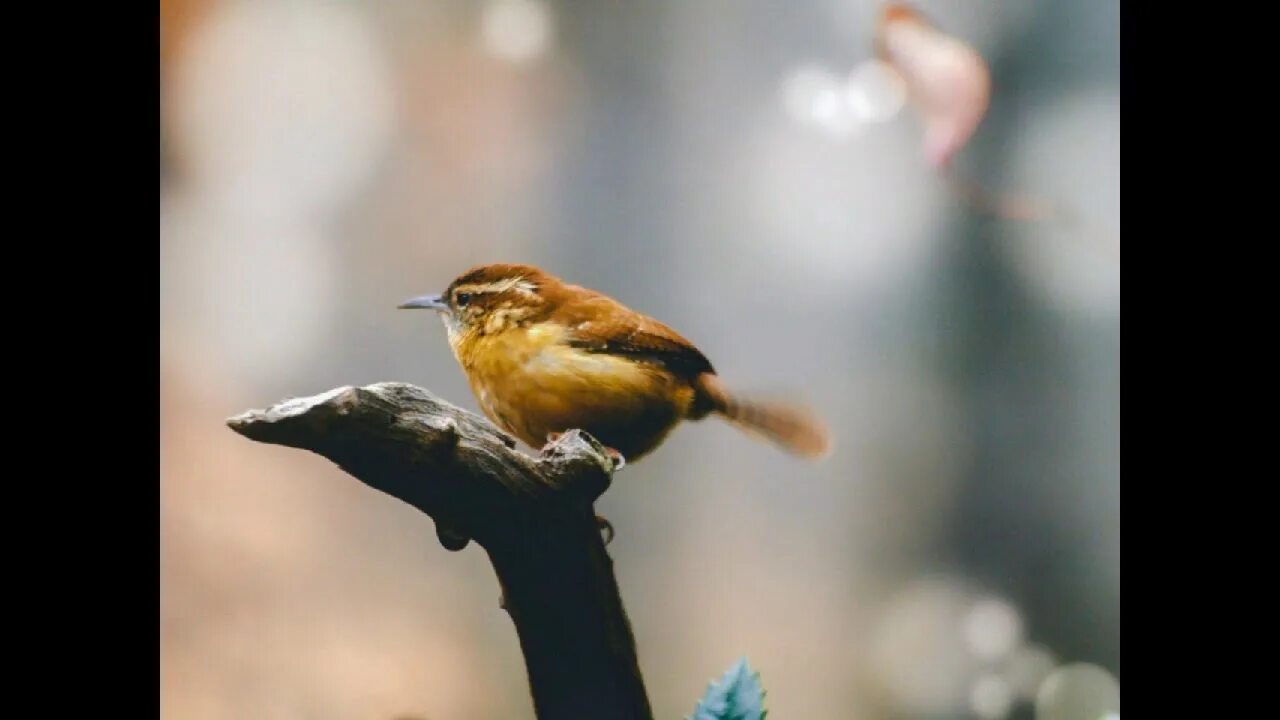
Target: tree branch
{"x": 533, "y": 517}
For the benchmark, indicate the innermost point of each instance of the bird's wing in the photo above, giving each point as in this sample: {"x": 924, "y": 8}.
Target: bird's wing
{"x": 598, "y": 323}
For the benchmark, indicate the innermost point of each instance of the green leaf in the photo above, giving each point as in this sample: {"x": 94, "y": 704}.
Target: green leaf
{"x": 737, "y": 696}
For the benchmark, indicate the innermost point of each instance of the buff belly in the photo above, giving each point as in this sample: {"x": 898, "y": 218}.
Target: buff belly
{"x": 534, "y": 386}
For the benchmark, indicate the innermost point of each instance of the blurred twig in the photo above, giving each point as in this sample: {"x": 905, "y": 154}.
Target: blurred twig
{"x": 533, "y": 517}
{"x": 1032, "y": 209}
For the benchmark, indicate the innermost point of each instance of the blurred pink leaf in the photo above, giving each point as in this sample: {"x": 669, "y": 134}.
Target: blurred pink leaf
{"x": 949, "y": 85}
{"x": 947, "y": 80}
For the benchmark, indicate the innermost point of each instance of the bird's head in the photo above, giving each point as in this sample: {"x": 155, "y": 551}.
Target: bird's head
{"x": 489, "y": 299}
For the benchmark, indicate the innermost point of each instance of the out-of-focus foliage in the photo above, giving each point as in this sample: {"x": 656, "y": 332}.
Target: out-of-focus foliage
{"x": 738, "y": 695}
{"x": 947, "y": 80}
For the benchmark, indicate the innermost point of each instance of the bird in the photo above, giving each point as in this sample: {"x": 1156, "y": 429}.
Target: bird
{"x": 543, "y": 356}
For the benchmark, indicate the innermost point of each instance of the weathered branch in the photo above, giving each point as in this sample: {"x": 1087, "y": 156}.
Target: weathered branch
{"x": 534, "y": 517}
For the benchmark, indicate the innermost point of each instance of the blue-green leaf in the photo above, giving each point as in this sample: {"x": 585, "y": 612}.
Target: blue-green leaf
{"x": 737, "y": 696}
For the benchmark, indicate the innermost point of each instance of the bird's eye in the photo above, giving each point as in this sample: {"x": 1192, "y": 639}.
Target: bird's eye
{"x": 461, "y": 299}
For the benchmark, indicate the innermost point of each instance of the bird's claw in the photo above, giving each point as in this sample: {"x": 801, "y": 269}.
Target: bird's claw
{"x": 619, "y": 461}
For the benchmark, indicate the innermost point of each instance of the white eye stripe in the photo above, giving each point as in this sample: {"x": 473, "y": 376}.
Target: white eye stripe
{"x": 500, "y": 286}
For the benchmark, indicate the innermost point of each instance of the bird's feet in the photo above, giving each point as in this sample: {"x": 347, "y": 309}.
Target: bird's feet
{"x": 619, "y": 461}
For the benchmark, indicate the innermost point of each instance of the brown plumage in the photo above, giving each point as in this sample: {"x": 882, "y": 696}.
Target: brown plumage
{"x": 543, "y": 357}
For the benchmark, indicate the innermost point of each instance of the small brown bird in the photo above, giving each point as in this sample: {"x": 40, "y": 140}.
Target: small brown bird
{"x": 544, "y": 357}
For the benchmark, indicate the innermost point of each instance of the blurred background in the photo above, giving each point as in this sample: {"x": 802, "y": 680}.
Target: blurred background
{"x": 706, "y": 163}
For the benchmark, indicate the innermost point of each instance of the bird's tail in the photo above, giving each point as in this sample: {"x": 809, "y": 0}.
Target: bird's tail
{"x": 791, "y": 427}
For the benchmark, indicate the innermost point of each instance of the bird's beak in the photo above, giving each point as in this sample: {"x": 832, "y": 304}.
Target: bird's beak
{"x": 428, "y": 302}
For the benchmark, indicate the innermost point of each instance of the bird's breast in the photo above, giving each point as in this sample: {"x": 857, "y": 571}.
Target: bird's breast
{"x": 531, "y": 382}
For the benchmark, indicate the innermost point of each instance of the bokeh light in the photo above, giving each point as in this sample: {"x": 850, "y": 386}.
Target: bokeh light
{"x": 516, "y": 30}
{"x": 875, "y": 92}
{"x": 991, "y": 698}
{"x": 992, "y": 628}
{"x": 815, "y": 97}
{"x": 1080, "y": 691}
{"x": 919, "y": 648}
{"x": 1027, "y": 667}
